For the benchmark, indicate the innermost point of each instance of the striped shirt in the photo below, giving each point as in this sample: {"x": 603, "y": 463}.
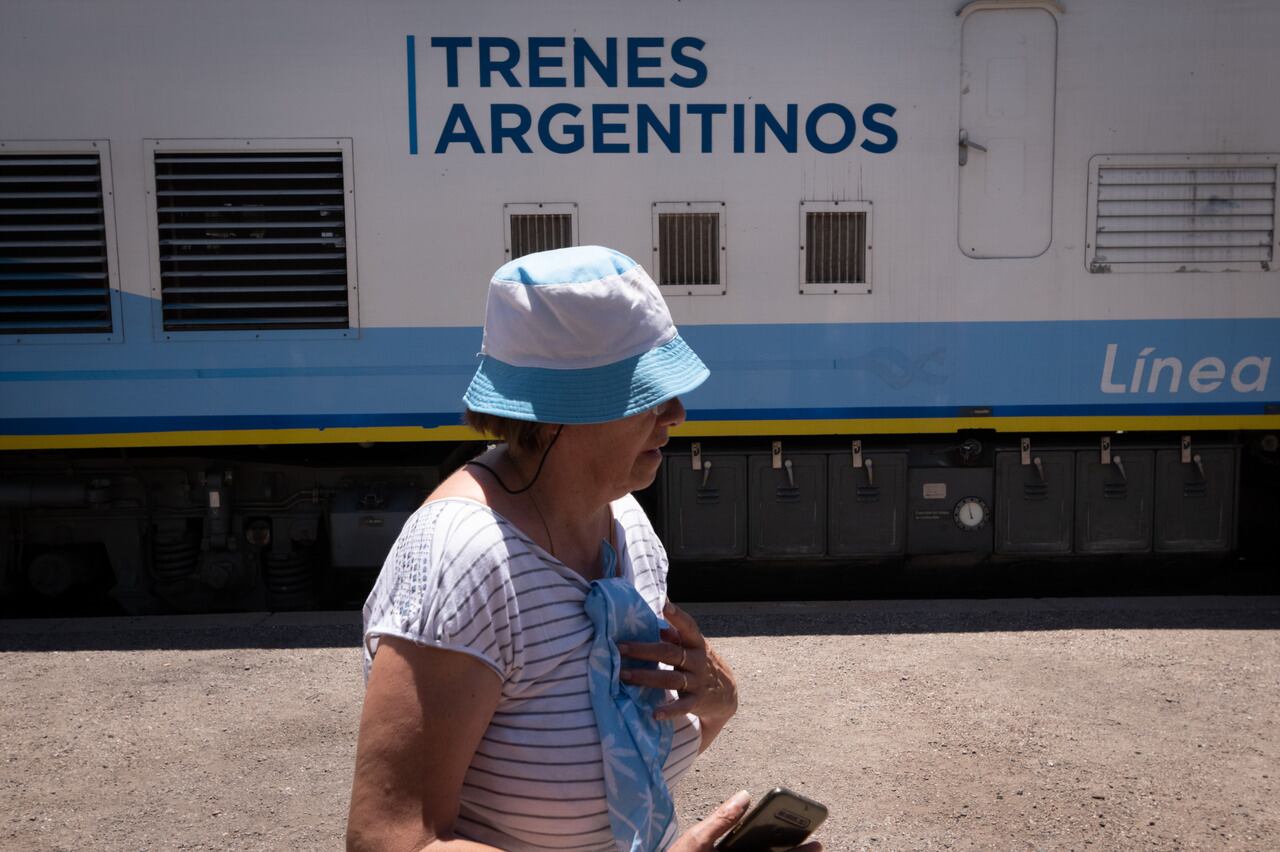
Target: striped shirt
{"x": 462, "y": 577}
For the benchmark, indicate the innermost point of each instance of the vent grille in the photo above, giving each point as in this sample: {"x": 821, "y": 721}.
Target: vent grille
{"x": 1115, "y": 490}
{"x": 252, "y": 241}
{"x": 707, "y": 496}
{"x": 53, "y": 245}
{"x": 533, "y": 232}
{"x": 1035, "y": 491}
{"x": 835, "y": 248}
{"x": 1195, "y": 489}
{"x": 867, "y": 494}
{"x": 1208, "y": 214}
{"x": 689, "y": 249}
{"x": 788, "y": 494}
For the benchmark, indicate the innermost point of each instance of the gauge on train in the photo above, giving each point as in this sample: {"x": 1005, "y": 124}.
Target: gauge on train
{"x": 971, "y": 514}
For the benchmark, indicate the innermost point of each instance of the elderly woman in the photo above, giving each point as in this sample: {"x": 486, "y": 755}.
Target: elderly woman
{"x": 522, "y": 692}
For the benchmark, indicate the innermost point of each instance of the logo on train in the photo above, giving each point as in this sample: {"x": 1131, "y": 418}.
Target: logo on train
{"x": 1164, "y": 374}
{"x": 495, "y": 69}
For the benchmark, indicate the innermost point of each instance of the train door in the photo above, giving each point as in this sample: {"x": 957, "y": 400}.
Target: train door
{"x": 1008, "y": 73}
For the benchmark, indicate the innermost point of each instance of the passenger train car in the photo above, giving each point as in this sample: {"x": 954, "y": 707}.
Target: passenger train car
{"x": 981, "y": 281}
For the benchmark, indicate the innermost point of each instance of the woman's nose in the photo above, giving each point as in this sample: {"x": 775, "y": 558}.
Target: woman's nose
{"x": 672, "y": 412}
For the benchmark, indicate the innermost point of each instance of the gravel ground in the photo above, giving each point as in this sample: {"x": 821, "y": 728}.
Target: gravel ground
{"x": 1116, "y": 724}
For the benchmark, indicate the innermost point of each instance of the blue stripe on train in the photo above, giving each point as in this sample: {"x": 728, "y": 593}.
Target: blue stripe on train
{"x": 416, "y": 376}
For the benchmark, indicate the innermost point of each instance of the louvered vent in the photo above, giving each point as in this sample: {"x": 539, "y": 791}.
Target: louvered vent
{"x": 835, "y": 248}
{"x": 253, "y": 241}
{"x": 531, "y": 232}
{"x": 53, "y": 245}
{"x": 1199, "y": 217}
{"x": 689, "y": 249}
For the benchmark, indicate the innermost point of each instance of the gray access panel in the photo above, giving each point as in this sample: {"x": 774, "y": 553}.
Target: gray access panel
{"x": 707, "y": 508}
{"x": 867, "y": 511}
{"x": 1035, "y": 502}
{"x": 936, "y": 497}
{"x": 1114, "y": 501}
{"x": 788, "y": 505}
{"x": 1195, "y": 501}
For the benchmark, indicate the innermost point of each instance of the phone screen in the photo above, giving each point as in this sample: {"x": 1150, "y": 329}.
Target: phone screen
{"x": 782, "y": 820}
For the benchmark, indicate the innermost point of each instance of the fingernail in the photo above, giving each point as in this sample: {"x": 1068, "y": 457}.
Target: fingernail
{"x": 740, "y": 799}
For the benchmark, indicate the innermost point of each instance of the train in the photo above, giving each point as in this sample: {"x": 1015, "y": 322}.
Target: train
{"x": 976, "y": 281}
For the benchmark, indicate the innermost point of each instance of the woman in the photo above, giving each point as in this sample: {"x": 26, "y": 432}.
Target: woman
{"x": 498, "y": 712}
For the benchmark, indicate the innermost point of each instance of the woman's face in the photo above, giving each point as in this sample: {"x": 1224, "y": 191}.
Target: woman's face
{"x": 623, "y": 455}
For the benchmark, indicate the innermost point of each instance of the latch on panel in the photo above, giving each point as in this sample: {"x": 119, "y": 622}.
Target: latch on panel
{"x": 1106, "y": 449}
{"x": 1024, "y": 447}
{"x": 857, "y": 454}
{"x": 777, "y": 455}
{"x": 696, "y": 452}
{"x": 791, "y": 479}
{"x": 1186, "y": 449}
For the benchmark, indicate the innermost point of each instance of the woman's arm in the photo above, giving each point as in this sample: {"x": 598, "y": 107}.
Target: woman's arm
{"x": 425, "y": 710}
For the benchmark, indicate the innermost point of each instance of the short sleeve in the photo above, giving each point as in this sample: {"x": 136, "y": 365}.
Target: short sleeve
{"x": 446, "y": 583}
{"x": 646, "y": 557}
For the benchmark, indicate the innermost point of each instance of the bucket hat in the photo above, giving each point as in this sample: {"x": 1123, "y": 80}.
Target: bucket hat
{"x": 578, "y": 335}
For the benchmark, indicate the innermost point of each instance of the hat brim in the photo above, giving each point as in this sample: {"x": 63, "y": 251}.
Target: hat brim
{"x": 589, "y": 395}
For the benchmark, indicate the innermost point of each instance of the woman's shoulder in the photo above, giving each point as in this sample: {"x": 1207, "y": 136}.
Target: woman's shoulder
{"x": 451, "y": 526}
{"x": 628, "y": 512}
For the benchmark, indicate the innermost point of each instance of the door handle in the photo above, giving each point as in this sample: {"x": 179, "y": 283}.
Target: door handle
{"x": 966, "y": 144}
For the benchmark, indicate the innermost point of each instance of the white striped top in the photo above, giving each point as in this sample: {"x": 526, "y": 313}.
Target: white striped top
{"x": 462, "y": 577}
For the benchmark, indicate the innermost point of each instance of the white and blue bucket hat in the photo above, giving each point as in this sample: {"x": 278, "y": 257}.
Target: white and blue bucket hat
{"x": 578, "y": 335}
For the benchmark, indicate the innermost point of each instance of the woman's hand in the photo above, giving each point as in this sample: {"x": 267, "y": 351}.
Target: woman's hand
{"x": 701, "y": 837}
{"x": 704, "y": 682}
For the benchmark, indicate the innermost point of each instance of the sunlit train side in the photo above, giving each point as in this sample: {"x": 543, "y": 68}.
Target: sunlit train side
{"x": 993, "y": 281}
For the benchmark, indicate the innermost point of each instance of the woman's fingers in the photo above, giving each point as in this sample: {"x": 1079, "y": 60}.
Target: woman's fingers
{"x": 690, "y": 635}
{"x": 676, "y": 656}
{"x": 701, "y": 837}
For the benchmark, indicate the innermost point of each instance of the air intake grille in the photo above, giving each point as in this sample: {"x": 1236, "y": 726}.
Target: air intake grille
{"x": 1211, "y": 215}
{"x": 835, "y": 248}
{"x": 689, "y": 249}
{"x": 53, "y": 245}
{"x": 531, "y": 232}
{"x": 250, "y": 241}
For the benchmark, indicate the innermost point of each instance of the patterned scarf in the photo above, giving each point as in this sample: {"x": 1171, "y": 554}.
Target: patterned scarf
{"x": 635, "y": 745}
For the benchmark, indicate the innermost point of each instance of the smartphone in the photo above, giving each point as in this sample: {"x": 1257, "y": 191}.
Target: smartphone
{"x": 780, "y": 821}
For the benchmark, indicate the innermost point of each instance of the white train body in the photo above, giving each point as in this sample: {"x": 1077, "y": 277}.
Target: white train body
{"x": 872, "y": 218}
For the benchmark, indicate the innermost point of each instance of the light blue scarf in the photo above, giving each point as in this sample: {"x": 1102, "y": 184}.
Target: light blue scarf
{"x": 635, "y": 745}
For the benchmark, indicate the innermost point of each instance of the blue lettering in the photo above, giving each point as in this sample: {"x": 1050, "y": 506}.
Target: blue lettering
{"x": 739, "y": 128}
{"x": 693, "y": 63}
{"x": 647, "y": 120}
{"x": 846, "y": 138}
{"x": 635, "y": 62}
{"x": 466, "y": 131}
{"x": 706, "y": 112}
{"x": 765, "y": 119}
{"x": 869, "y": 122}
{"x": 537, "y": 62}
{"x": 451, "y": 45}
{"x": 488, "y": 64}
{"x": 606, "y": 69}
{"x": 573, "y": 131}
{"x": 599, "y": 127}
{"x": 499, "y": 131}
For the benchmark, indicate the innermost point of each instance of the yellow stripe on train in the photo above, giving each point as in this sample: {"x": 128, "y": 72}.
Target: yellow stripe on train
{"x": 696, "y": 429}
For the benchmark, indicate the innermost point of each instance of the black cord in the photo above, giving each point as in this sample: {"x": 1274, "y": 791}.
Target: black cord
{"x": 536, "y": 473}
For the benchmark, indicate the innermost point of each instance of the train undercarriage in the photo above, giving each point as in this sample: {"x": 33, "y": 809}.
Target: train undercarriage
{"x": 277, "y": 528}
